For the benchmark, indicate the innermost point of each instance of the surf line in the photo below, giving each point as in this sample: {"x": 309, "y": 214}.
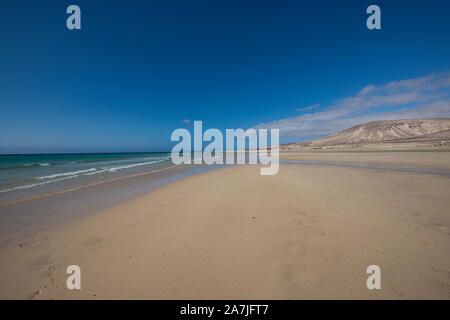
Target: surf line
{"x": 46, "y": 195}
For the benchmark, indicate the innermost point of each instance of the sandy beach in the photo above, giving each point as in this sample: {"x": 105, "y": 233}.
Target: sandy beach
{"x": 308, "y": 232}
{"x": 428, "y": 159}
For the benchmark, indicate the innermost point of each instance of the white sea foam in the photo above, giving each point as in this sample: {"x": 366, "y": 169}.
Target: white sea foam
{"x": 66, "y": 174}
{"x": 133, "y": 165}
{"x": 73, "y": 174}
{"x": 95, "y": 172}
{"x": 36, "y": 164}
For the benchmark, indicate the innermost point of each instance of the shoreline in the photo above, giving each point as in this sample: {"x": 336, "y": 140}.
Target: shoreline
{"x": 141, "y": 183}
{"x": 46, "y": 195}
{"x": 308, "y": 232}
{"x": 30, "y": 215}
{"x": 419, "y": 162}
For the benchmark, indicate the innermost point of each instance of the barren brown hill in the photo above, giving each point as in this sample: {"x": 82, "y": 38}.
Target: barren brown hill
{"x": 427, "y": 133}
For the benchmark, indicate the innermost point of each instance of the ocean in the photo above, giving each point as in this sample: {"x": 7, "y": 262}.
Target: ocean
{"x": 22, "y": 175}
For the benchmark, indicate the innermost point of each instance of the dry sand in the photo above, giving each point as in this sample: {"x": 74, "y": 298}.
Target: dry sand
{"x": 307, "y": 232}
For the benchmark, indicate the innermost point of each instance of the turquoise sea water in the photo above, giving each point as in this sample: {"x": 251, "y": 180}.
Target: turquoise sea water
{"x": 31, "y": 171}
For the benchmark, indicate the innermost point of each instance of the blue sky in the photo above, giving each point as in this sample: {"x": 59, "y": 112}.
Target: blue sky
{"x": 137, "y": 70}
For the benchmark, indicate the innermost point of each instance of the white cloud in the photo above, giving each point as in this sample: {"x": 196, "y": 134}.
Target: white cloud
{"x": 308, "y": 108}
{"x": 419, "y": 98}
{"x": 366, "y": 90}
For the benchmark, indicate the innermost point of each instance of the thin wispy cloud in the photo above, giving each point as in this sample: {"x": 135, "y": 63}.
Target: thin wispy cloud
{"x": 308, "y": 108}
{"x": 418, "y": 98}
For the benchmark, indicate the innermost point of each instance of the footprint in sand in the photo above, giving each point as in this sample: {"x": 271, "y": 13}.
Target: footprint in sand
{"x": 33, "y": 243}
{"x": 51, "y": 269}
{"x": 441, "y": 270}
{"x": 375, "y": 249}
{"x": 334, "y": 232}
{"x": 91, "y": 241}
{"x": 428, "y": 244}
{"x": 398, "y": 292}
{"x": 435, "y": 279}
{"x": 441, "y": 227}
{"x": 132, "y": 224}
{"x": 34, "y": 294}
{"x": 43, "y": 260}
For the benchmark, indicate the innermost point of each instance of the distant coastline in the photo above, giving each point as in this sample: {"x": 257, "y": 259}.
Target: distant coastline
{"x": 426, "y": 134}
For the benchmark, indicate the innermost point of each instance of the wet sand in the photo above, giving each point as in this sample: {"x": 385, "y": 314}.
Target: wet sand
{"x": 28, "y": 215}
{"x": 403, "y": 159}
{"x": 308, "y": 232}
